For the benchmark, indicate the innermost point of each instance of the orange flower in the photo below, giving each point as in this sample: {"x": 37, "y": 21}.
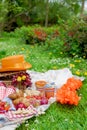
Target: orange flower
{"x": 67, "y": 93}
{"x": 73, "y": 83}
{"x": 67, "y": 97}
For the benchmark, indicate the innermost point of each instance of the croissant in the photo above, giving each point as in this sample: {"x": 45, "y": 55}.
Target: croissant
{"x": 18, "y": 100}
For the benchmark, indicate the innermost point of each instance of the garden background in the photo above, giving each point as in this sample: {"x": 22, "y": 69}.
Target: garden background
{"x": 51, "y": 34}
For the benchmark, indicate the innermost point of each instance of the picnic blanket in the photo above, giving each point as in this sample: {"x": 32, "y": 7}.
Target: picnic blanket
{"x": 59, "y": 77}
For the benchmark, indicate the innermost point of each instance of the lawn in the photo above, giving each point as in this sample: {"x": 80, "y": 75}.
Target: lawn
{"x": 57, "y": 117}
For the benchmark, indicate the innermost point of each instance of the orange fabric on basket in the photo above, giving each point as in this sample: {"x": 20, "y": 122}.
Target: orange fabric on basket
{"x": 67, "y": 93}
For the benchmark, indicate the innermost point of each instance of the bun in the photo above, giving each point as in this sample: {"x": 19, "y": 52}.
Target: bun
{"x": 18, "y": 100}
{"x": 16, "y": 95}
{"x": 20, "y": 93}
{"x": 23, "y": 100}
{"x": 13, "y": 96}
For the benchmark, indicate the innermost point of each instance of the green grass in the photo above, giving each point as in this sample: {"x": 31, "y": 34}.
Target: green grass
{"x": 57, "y": 117}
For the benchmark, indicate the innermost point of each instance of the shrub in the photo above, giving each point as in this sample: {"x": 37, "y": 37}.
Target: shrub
{"x": 70, "y": 37}
{"x": 55, "y": 45}
{"x": 2, "y": 53}
{"x": 76, "y": 39}
{"x": 35, "y": 34}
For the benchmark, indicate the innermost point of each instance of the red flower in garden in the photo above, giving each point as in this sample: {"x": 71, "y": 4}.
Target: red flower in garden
{"x": 40, "y": 34}
{"x": 71, "y": 34}
{"x": 65, "y": 44}
{"x": 56, "y": 33}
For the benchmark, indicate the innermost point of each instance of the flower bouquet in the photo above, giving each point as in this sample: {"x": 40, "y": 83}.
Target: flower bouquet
{"x": 21, "y": 80}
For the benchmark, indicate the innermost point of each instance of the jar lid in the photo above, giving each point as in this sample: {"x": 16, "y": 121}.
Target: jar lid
{"x": 50, "y": 85}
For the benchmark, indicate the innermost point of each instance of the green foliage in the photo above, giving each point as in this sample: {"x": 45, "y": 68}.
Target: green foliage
{"x": 35, "y": 34}
{"x": 55, "y": 45}
{"x": 3, "y": 14}
{"x": 2, "y": 53}
{"x": 69, "y": 38}
{"x": 17, "y": 13}
{"x": 76, "y": 37}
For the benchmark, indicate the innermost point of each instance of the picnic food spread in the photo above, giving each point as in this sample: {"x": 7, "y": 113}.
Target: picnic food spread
{"x": 18, "y": 97}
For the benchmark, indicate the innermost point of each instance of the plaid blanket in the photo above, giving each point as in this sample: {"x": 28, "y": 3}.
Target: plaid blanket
{"x": 12, "y": 116}
{"x": 4, "y": 92}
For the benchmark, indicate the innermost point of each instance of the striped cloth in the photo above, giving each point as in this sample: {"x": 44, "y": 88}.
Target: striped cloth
{"x": 12, "y": 116}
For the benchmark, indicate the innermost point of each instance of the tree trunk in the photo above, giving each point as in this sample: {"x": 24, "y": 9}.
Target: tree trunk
{"x": 82, "y": 8}
{"x": 47, "y": 13}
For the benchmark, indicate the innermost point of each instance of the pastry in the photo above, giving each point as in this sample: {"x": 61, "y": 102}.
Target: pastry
{"x": 18, "y": 100}
{"x": 23, "y": 100}
{"x": 16, "y": 95}
{"x": 32, "y": 92}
